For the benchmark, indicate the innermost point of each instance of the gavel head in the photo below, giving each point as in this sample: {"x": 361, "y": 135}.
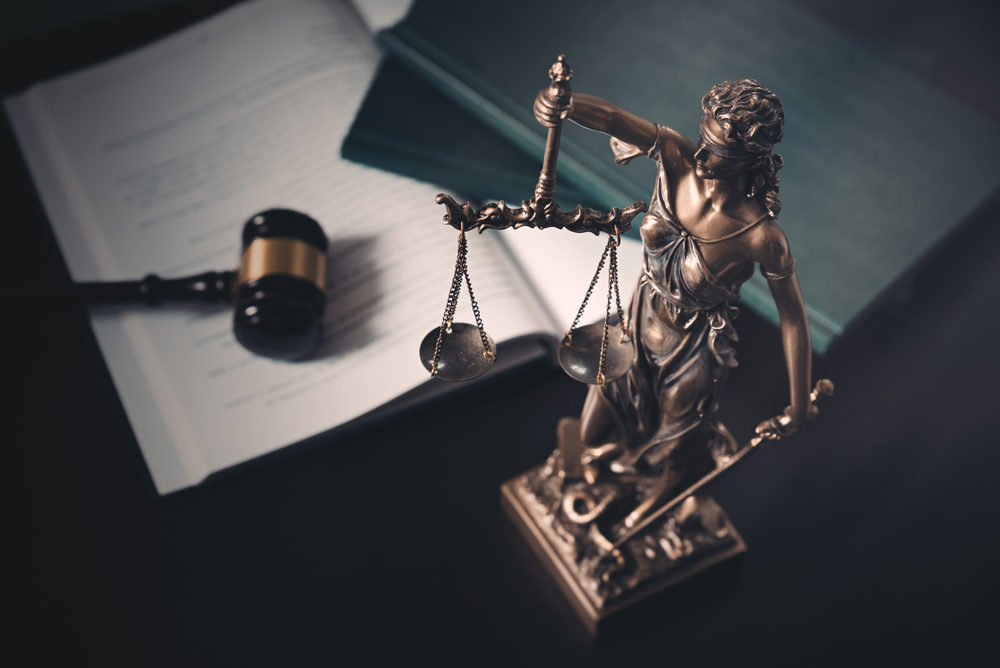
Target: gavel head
{"x": 280, "y": 288}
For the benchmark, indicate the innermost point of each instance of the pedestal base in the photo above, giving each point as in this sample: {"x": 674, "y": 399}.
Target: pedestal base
{"x": 695, "y": 537}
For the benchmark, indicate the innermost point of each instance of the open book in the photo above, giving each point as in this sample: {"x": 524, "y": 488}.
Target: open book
{"x": 152, "y": 163}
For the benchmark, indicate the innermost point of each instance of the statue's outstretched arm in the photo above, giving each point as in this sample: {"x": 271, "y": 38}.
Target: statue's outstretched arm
{"x": 595, "y": 113}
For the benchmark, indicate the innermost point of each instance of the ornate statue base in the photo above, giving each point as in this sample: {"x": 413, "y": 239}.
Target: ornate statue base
{"x": 559, "y": 515}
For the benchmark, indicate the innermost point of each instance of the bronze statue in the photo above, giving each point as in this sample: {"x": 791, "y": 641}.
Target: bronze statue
{"x": 711, "y": 219}
{"x": 614, "y": 510}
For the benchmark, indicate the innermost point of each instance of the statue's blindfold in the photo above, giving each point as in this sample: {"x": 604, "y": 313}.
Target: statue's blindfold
{"x": 723, "y": 150}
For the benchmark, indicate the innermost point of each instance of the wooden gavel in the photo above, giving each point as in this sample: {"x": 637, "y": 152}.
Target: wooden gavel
{"x": 278, "y": 291}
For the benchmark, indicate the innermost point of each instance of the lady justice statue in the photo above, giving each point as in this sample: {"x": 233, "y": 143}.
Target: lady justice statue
{"x": 712, "y": 218}
{"x": 595, "y": 510}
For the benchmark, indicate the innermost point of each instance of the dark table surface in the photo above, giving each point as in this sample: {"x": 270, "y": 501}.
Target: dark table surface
{"x": 873, "y": 535}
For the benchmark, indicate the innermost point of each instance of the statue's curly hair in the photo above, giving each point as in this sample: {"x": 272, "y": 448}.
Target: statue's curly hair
{"x": 753, "y": 119}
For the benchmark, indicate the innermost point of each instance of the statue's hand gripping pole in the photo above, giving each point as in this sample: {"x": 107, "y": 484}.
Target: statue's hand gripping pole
{"x": 556, "y": 103}
{"x": 541, "y": 210}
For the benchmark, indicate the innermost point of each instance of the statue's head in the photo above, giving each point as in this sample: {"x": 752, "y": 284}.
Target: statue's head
{"x": 753, "y": 121}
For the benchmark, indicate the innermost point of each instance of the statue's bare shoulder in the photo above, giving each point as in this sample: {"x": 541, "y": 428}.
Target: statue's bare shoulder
{"x": 768, "y": 246}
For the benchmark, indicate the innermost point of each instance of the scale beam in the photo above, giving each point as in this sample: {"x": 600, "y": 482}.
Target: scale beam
{"x": 532, "y": 213}
{"x": 541, "y": 210}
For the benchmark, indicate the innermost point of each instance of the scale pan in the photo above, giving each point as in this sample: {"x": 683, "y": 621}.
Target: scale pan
{"x": 580, "y": 356}
{"x": 462, "y": 355}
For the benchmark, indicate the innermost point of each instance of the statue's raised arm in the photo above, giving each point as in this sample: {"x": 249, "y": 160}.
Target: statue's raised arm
{"x": 541, "y": 210}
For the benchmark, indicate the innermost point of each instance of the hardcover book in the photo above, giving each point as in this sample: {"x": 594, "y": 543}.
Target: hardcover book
{"x": 880, "y": 166}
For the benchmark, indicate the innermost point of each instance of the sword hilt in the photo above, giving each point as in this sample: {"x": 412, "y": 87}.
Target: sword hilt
{"x": 823, "y": 388}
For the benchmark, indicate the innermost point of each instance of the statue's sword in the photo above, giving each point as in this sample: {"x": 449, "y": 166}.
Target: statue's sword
{"x": 824, "y": 388}
{"x": 541, "y": 210}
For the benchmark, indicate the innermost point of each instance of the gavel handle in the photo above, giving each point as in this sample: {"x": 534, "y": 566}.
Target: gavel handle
{"x": 208, "y": 287}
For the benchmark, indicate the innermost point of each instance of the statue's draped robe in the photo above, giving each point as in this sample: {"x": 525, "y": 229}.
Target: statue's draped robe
{"x": 682, "y": 320}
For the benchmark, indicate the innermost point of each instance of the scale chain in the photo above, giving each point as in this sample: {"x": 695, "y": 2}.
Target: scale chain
{"x": 452, "y": 303}
{"x": 602, "y": 360}
{"x": 487, "y": 352}
{"x": 590, "y": 290}
{"x": 610, "y": 251}
{"x": 456, "y": 290}
{"x": 461, "y": 272}
{"x": 618, "y": 298}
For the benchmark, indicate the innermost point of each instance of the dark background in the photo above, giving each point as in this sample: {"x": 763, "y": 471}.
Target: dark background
{"x": 872, "y": 534}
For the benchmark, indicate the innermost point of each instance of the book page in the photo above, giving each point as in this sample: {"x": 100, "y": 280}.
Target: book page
{"x": 153, "y": 162}
{"x": 559, "y": 266}
{"x": 381, "y": 14}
